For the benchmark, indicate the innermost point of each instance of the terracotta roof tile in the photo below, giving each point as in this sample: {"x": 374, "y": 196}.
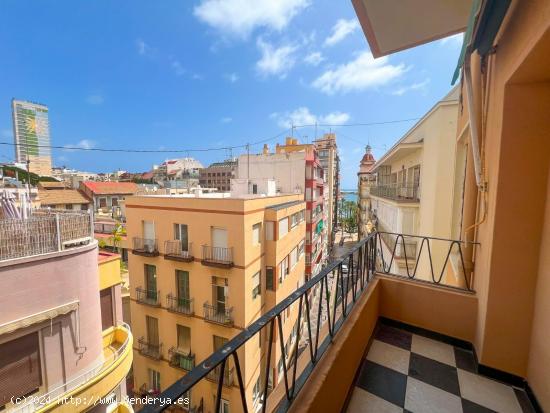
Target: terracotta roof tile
{"x": 111, "y": 188}
{"x": 61, "y": 197}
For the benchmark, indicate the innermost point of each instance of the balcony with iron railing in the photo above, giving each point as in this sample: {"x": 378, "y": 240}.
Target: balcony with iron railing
{"x": 397, "y": 192}
{"x": 218, "y": 314}
{"x": 174, "y": 250}
{"x": 337, "y": 312}
{"x": 146, "y": 247}
{"x": 214, "y": 376}
{"x": 150, "y": 349}
{"x": 148, "y": 297}
{"x": 181, "y": 305}
{"x": 220, "y": 257}
{"x": 43, "y": 231}
{"x": 181, "y": 359}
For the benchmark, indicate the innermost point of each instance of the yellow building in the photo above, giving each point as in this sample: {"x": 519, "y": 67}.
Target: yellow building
{"x": 202, "y": 268}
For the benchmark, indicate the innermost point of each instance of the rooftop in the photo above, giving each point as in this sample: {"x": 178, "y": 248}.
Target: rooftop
{"x": 62, "y": 197}
{"x": 110, "y": 188}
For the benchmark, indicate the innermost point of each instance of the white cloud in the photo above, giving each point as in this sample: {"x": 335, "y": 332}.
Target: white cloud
{"x": 341, "y": 30}
{"x": 414, "y": 86}
{"x": 454, "y": 40}
{"x": 142, "y": 47}
{"x": 231, "y": 77}
{"x": 241, "y": 17}
{"x": 303, "y": 116}
{"x": 95, "y": 99}
{"x": 226, "y": 119}
{"x": 197, "y": 76}
{"x": 82, "y": 144}
{"x": 364, "y": 72}
{"x": 177, "y": 67}
{"x": 314, "y": 58}
{"x": 275, "y": 61}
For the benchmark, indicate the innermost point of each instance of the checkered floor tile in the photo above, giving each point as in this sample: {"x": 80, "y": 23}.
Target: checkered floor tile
{"x": 406, "y": 372}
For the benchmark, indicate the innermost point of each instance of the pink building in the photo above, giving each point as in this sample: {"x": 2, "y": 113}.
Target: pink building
{"x": 60, "y": 331}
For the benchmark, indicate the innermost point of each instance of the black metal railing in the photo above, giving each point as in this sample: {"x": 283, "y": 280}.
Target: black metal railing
{"x": 179, "y": 304}
{"x": 149, "y": 297}
{"x": 145, "y": 246}
{"x": 181, "y": 359}
{"x": 404, "y": 249}
{"x": 409, "y": 193}
{"x": 217, "y": 255}
{"x": 149, "y": 349}
{"x": 174, "y": 250}
{"x": 218, "y": 314}
{"x": 438, "y": 257}
{"x": 322, "y": 304}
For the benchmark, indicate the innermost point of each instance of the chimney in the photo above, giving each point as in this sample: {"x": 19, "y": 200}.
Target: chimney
{"x": 266, "y": 149}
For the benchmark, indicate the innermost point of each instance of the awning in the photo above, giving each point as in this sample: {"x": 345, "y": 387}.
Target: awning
{"x": 38, "y": 317}
{"x": 486, "y": 24}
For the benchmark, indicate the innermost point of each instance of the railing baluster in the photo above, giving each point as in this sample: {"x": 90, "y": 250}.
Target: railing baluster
{"x": 268, "y": 363}
{"x": 283, "y": 355}
{"x": 220, "y": 384}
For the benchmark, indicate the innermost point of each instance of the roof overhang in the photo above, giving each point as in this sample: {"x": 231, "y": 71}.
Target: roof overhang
{"x": 393, "y": 25}
{"x": 400, "y": 151}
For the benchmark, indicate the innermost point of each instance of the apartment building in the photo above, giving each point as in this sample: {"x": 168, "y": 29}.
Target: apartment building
{"x": 330, "y": 162}
{"x": 295, "y": 168}
{"x": 416, "y": 182}
{"x": 106, "y": 196}
{"x": 366, "y": 178}
{"x": 218, "y": 175}
{"x": 61, "y": 330}
{"x": 202, "y": 268}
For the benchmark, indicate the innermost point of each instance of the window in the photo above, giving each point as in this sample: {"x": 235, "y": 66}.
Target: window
{"x": 301, "y": 249}
{"x": 283, "y": 227}
{"x": 114, "y": 201}
{"x": 184, "y": 338}
{"x": 219, "y": 342}
{"x": 224, "y": 406}
{"x": 102, "y": 202}
{"x": 219, "y": 294}
{"x": 149, "y": 230}
{"x": 68, "y": 206}
{"x": 152, "y": 326}
{"x": 256, "y": 392}
{"x": 106, "y": 305}
{"x": 154, "y": 380}
{"x": 256, "y": 233}
{"x": 83, "y": 207}
{"x": 151, "y": 281}
{"x": 180, "y": 234}
{"x": 283, "y": 269}
{"x": 269, "y": 230}
{"x": 20, "y": 372}
{"x": 182, "y": 285}
{"x": 269, "y": 284}
{"x": 293, "y": 257}
{"x": 256, "y": 286}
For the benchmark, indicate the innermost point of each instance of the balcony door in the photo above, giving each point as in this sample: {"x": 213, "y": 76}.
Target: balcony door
{"x": 149, "y": 235}
{"x": 219, "y": 243}
{"x": 151, "y": 281}
{"x": 152, "y": 325}
{"x": 184, "y": 339}
{"x": 182, "y": 286}
{"x": 219, "y": 298}
{"x": 180, "y": 234}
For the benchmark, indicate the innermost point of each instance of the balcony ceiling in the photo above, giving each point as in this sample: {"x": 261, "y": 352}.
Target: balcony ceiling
{"x": 393, "y": 25}
{"x": 399, "y": 152}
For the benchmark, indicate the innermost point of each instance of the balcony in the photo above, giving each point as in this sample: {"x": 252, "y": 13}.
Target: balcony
{"x": 44, "y": 231}
{"x": 181, "y": 359}
{"x": 150, "y": 349}
{"x": 173, "y": 251}
{"x": 218, "y": 315}
{"x": 96, "y": 382}
{"x": 214, "y": 376}
{"x": 179, "y": 305}
{"x": 145, "y": 247}
{"x": 395, "y": 192}
{"x": 148, "y": 297}
{"x": 219, "y": 257}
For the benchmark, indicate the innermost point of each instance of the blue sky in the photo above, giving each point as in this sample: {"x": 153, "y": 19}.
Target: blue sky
{"x": 208, "y": 73}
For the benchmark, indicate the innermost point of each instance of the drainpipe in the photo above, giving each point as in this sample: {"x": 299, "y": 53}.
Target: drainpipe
{"x": 474, "y": 134}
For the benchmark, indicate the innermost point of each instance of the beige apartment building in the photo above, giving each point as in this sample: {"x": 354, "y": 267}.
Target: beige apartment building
{"x": 202, "y": 268}
{"x": 417, "y": 181}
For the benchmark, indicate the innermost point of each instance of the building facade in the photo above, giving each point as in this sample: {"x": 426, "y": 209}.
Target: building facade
{"x": 31, "y": 133}
{"x": 416, "y": 182}
{"x": 202, "y": 268}
{"x": 366, "y": 178}
{"x": 218, "y": 175}
{"x": 330, "y": 162}
{"x": 295, "y": 168}
{"x": 107, "y": 197}
{"x": 61, "y": 331}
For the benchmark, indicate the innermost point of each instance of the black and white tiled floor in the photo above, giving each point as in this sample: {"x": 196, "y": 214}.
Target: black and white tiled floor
{"x": 406, "y": 372}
